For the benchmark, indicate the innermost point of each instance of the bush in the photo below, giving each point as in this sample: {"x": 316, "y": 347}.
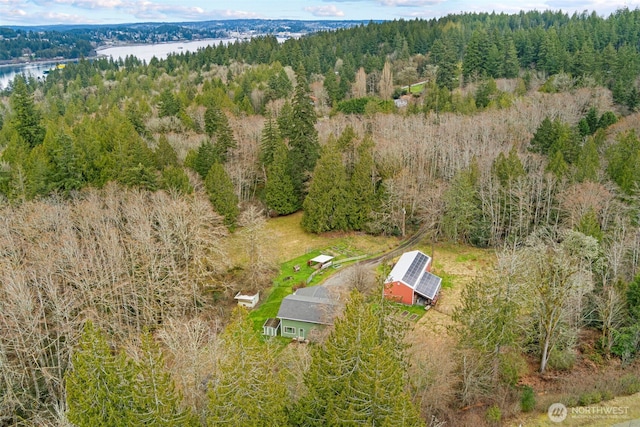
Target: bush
{"x": 493, "y": 414}
{"x": 528, "y": 399}
{"x": 630, "y": 384}
{"x": 512, "y": 367}
{"x": 589, "y": 398}
{"x": 562, "y": 360}
{"x": 353, "y": 106}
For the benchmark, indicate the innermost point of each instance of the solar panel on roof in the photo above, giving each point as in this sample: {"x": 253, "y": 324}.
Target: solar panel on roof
{"x": 415, "y": 269}
{"x": 428, "y": 285}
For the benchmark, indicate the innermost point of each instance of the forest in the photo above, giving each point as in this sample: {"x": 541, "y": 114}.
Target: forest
{"x": 134, "y": 198}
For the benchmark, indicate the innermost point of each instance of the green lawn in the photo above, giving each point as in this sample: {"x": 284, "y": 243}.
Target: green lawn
{"x": 417, "y": 89}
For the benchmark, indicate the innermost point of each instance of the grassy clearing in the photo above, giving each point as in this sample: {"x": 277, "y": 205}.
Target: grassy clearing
{"x": 288, "y": 240}
{"x": 417, "y": 89}
{"x": 418, "y": 310}
{"x": 466, "y": 257}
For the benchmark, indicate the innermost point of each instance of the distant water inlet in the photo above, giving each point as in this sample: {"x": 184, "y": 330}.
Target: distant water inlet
{"x": 144, "y": 52}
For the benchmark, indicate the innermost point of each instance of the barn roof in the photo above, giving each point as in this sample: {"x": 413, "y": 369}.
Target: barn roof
{"x": 428, "y": 285}
{"x": 411, "y": 269}
{"x": 314, "y": 305}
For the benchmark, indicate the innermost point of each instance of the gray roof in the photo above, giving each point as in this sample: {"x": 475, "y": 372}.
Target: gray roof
{"x": 313, "y": 305}
{"x": 429, "y": 285}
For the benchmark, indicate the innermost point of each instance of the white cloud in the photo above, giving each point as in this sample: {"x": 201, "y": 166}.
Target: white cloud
{"x": 324, "y": 11}
{"x": 234, "y": 14}
{"x": 23, "y": 17}
{"x": 64, "y": 17}
{"x": 83, "y": 4}
{"x": 15, "y": 13}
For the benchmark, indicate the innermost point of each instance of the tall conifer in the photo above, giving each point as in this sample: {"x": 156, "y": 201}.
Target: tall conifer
{"x": 303, "y": 136}
{"x": 247, "y": 389}
{"x": 222, "y": 194}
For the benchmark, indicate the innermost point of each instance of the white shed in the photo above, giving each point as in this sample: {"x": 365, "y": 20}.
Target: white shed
{"x": 321, "y": 261}
{"x": 247, "y": 300}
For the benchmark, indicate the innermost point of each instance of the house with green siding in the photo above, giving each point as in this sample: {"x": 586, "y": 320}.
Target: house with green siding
{"x": 305, "y": 313}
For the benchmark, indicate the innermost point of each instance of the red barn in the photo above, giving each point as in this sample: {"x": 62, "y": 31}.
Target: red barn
{"x": 411, "y": 282}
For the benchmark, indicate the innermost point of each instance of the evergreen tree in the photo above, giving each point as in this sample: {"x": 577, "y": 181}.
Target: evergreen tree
{"x": 325, "y": 207}
{"x": 164, "y": 154}
{"x": 510, "y": 66}
{"x": 38, "y": 170}
{"x": 487, "y": 319}
{"x": 212, "y": 120}
{"x": 269, "y": 141}
{"x": 461, "y": 210}
{"x": 135, "y": 118}
{"x": 26, "y": 118}
{"x": 331, "y": 86}
{"x": 624, "y": 161}
{"x": 508, "y": 168}
{"x": 225, "y": 141}
{"x": 474, "y": 63}
{"x": 285, "y": 121}
{"x": 485, "y": 93}
{"x": 303, "y": 136}
{"x": 140, "y": 176}
{"x": 174, "y": 178}
{"x": 592, "y": 120}
{"x": 279, "y": 86}
{"x": 168, "y": 104}
{"x": 494, "y": 62}
{"x": 552, "y": 55}
{"x": 358, "y": 376}
{"x": 587, "y": 165}
{"x": 202, "y": 159}
{"x": 156, "y": 401}
{"x": 216, "y": 124}
{"x": 279, "y": 192}
{"x": 99, "y": 385}
{"x": 66, "y": 170}
{"x": 222, "y": 194}
{"x": 557, "y": 165}
{"x": 248, "y": 389}
{"x": 443, "y": 54}
{"x": 544, "y": 137}
{"x": 606, "y": 120}
{"x": 361, "y": 197}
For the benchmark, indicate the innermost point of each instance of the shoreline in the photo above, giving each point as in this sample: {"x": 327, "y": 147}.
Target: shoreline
{"x": 37, "y": 62}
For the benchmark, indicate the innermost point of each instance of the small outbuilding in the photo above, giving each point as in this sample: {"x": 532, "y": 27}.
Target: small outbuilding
{"x": 248, "y": 300}
{"x": 271, "y": 327}
{"x": 321, "y": 261}
{"x": 411, "y": 281}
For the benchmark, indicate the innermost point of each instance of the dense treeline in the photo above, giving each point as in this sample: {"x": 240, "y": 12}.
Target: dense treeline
{"x": 121, "y": 181}
{"x": 43, "y": 44}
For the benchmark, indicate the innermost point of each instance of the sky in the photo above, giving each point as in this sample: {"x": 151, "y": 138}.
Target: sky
{"x": 45, "y": 12}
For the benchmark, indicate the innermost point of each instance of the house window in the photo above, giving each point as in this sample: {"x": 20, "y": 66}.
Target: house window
{"x": 289, "y": 330}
